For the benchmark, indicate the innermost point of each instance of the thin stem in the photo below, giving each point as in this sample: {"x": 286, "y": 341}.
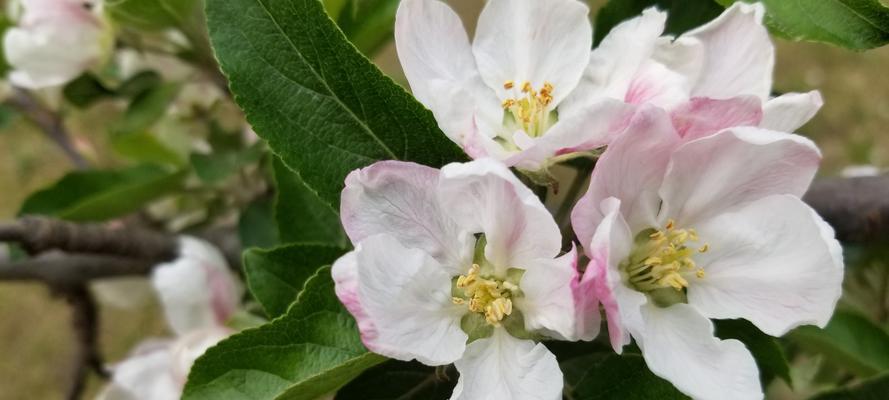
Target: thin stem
{"x": 49, "y": 122}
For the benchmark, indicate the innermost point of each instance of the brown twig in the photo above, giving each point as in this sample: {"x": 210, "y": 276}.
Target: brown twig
{"x": 73, "y": 269}
{"x": 857, "y": 208}
{"x": 87, "y": 356}
{"x": 49, "y": 122}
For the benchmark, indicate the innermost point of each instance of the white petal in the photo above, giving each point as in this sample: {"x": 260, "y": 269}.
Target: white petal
{"x": 617, "y": 59}
{"x": 197, "y": 290}
{"x": 656, "y": 84}
{"x": 437, "y": 60}
{"x": 146, "y": 375}
{"x": 734, "y": 167}
{"x": 739, "y": 56}
{"x": 774, "y": 262}
{"x": 679, "y": 346}
{"x": 533, "y": 40}
{"x": 186, "y": 349}
{"x": 400, "y": 199}
{"x": 789, "y": 112}
{"x": 548, "y": 303}
{"x": 485, "y": 197}
{"x": 401, "y": 299}
{"x": 620, "y": 173}
{"x": 502, "y": 367}
{"x": 701, "y": 116}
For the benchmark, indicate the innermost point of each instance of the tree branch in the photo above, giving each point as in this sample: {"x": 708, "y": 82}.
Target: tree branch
{"x": 49, "y": 122}
{"x": 857, "y": 208}
{"x": 85, "y": 320}
{"x": 61, "y": 271}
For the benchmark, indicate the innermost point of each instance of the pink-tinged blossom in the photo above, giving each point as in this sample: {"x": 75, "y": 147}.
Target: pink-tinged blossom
{"x": 730, "y": 57}
{"x": 458, "y": 265}
{"x": 54, "y": 41}
{"x": 501, "y": 95}
{"x": 680, "y": 231}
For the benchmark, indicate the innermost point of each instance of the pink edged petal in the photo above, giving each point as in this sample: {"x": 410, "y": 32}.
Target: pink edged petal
{"x": 399, "y": 199}
{"x": 631, "y": 170}
{"x": 503, "y": 367}
{"x": 485, "y": 197}
{"x": 437, "y": 60}
{"x": 735, "y": 167}
{"x": 656, "y": 84}
{"x": 701, "y": 116}
{"x": 678, "y": 345}
{"x": 617, "y": 59}
{"x": 789, "y": 112}
{"x": 401, "y": 299}
{"x": 774, "y": 262}
{"x": 593, "y": 127}
{"x": 739, "y": 56}
{"x": 548, "y": 302}
{"x": 537, "y": 41}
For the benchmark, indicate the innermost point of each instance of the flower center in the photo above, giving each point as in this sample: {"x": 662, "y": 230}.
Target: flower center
{"x": 489, "y": 296}
{"x": 529, "y": 110}
{"x": 662, "y": 257}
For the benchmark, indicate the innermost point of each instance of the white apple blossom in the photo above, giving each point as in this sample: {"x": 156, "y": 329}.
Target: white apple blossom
{"x": 54, "y": 41}
{"x": 729, "y": 57}
{"x": 501, "y": 96}
{"x": 680, "y": 231}
{"x": 458, "y": 266}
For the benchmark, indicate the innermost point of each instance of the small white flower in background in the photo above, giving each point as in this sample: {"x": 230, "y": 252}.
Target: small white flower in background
{"x": 54, "y": 41}
{"x": 199, "y": 293}
{"x": 502, "y": 95}
{"x": 679, "y": 232}
{"x": 458, "y": 266}
{"x": 729, "y": 57}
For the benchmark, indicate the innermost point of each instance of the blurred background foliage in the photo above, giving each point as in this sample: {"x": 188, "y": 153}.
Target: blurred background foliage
{"x": 159, "y": 116}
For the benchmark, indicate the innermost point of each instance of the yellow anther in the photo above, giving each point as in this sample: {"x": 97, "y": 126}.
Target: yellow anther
{"x": 663, "y": 260}
{"x": 670, "y": 224}
{"x": 704, "y": 248}
{"x": 509, "y": 85}
{"x": 700, "y": 273}
{"x": 483, "y": 295}
{"x": 458, "y": 300}
{"x": 526, "y": 87}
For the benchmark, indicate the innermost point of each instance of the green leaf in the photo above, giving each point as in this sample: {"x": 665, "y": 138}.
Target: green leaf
{"x": 102, "y": 195}
{"x": 683, "y": 15}
{"x": 849, "y": 340}
{"x": 398, "y": 380}
{"x": 145, "y": 147}
{"x": 5, "y": 23}
{"x": 766, "y": 351}
{"x": 139, "y": 83}
{"x": 301, "y": 216}
{"x": 871, "y": 389}
{"x": 152, "y": 14}
{"x": 256, "y": 227}
{"x": 322, "y": 107}
{"x": 276, "y": 276}
{"x": 622, "y": 378}
{"x": 86, "y": 90}
{"x": 853, "y": 24}
{"x": 311, "y": 351}
{"x": 213, "y": 168}
{"x": 369, "y": 24}
{"x": 146, "y": 109}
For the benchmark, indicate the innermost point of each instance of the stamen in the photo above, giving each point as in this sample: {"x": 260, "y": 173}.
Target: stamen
{"x": 488, "y": 296}
{"x": 532, "y": 110}
{"x": 508, "y": 85}
{"x": 660, "y": 261}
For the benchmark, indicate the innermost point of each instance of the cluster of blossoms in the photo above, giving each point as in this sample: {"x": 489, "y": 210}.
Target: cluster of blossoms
{"x": 199, "y": 293}
{"x": 693, "y": 212}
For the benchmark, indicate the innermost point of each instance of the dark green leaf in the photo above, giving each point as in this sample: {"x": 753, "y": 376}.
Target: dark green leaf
{"x": 622, "y": 378}
{"x": 276, "y": 276}
{"x": 152, "y": 14}
{"x": 765, "y": 349}
{"x": 872, "y": 389}
{"x": 683, "y": 15}
{"x": 853, "y": 24}
{"x": 86, "y": 90}
{"x": 368, "y": 23}
{"x": 145, "y": 147}
{"x": 215, "y": 167}
{"x": 302, "y": 216}
{"x": 323, "y": 107}
{"x": 397, "y": 380}
{"x": 146, "y": 109}
{"x": 102, "y": 195}
{"x": 849, "y": 340}
{"x": 256, "y": 227}
{"x": 139, "y": 83}
{"x": 311, "y": 351}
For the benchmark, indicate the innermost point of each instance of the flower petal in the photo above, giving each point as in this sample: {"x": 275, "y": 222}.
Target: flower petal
{"x": 774, "y": 262}
{"x": 146, "y": 375}
{"x": 619, "y": 173}
{"x": 548, "y": 303}
{"x": 399, "y": 199}
{"x": 503, "y": 367}
{"x": 789, "y": 112}
{"x": 739, "y": 56}
{"x": 485, "y": 197}
{"x": 401, "y": 299}
{"x": 734, "y": 167}
{"x": 533, "y": 40}
{"x": 702, "y": 116}
{"x": 678, "y": 345}
{"x": 437, "y": 60}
